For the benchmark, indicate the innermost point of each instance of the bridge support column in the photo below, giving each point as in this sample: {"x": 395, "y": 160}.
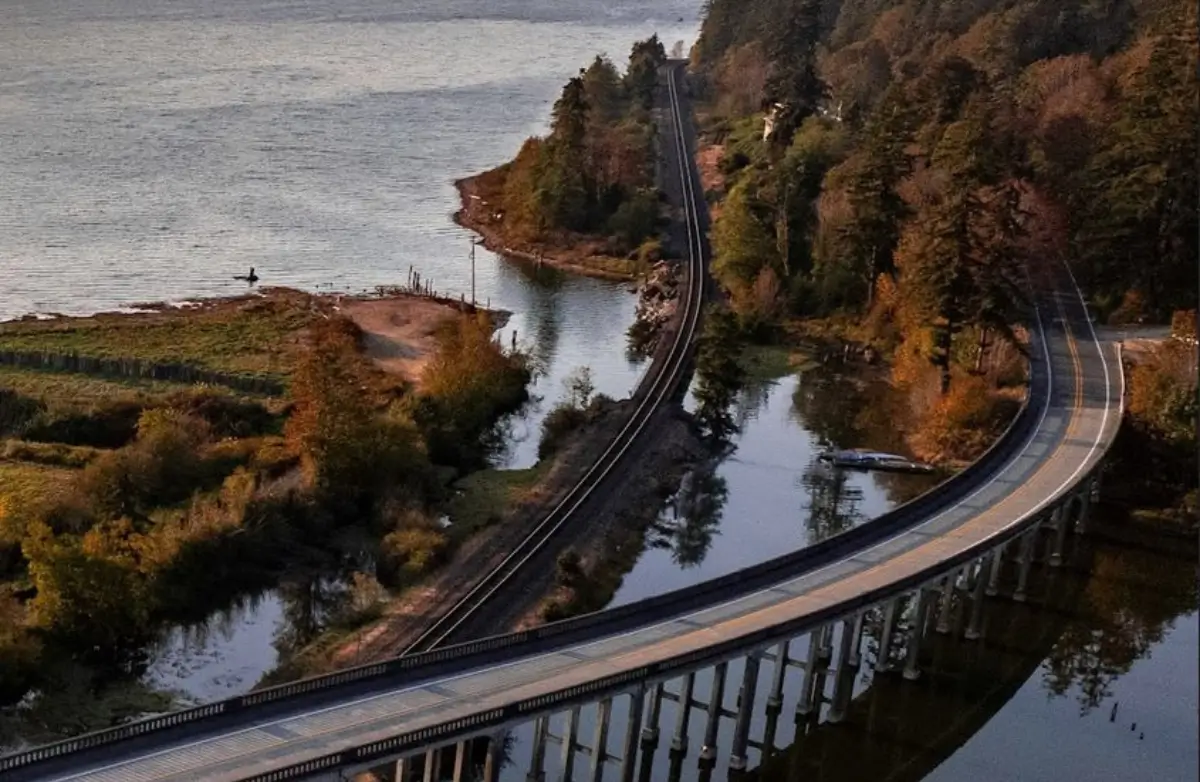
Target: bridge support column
{"x": 460, "y": 762}
{"x": 912, "y": 670}
{"x": 804, "y": 706}
{"x": 708, "y": 753}
{"x": 537, "y": 757}
{"x": 948, "y": 586}
{"x": 400, "y": 773}
{"x": 775, "y": 699}
{"x": 600, "y": 742}
{"x": 883, "y": 660}
{"x": 1060, "y": 536}
{"x": 650, "y": 731}
{"x": 633, "y": 731}
{"x": 854, "y": 658}
{"x": 433, "y": 766}
{"x": 825, "y": 647}
{"x": 843, "y": 686}
{"x": 1026, "y": 559}
{"x": 491, "y": 764}
{"x": 745, "y": 710}
{"x": 570, "y": 743}
{"x": 993, "y": 586}
{"x": 973, "y": 626}
{"x": 679, "y": 742}
{"x": 1085, "y": 507}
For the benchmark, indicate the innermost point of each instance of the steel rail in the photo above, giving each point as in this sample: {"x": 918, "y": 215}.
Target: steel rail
{"x": 664, "y": 383}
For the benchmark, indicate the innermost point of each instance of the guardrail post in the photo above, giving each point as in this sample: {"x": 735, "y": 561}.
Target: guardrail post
{"x": 741, "y": 728}
{"x": 1026, "y": 559}
{"x": 993, "y": 586}
{"x": 912, "y": 670}
{"x": 679, "y": 742}
{"x": 633, "y": 729}
{"x": 712, "y": 729}
{"x": 460, "y": 762}
{"x": 854, "y": 657}
{"x": 570, "y": 744}
{"x": 883, "y": 660}
{"x": 973, "y": 626}
{"x": 600, "y": 742}
{"x": 492, "y": 762}
{"x": 1060, "y": 537}
{"x": 537, "y": 756}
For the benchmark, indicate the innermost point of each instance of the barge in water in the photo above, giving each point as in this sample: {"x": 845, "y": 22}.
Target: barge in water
{"x": 857, "y": 459}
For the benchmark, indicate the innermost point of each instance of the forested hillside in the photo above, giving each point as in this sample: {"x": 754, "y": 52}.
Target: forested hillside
{"x": 902, "y": 160}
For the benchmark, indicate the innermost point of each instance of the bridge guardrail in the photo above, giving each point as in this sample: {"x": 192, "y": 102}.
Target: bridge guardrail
{"x": 471, "y": 654}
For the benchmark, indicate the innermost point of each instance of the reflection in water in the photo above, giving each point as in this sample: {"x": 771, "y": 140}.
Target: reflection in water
{"x": 1094, "y": 641}
{"x": 833, "y": 504}
{"x": 687, "y": 528}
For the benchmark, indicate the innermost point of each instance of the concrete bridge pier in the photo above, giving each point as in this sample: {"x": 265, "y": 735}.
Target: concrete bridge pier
{"x": 537, "y": 756}
{"x": 949, "y": 586}
{"x": 708, "y": 753}
{"x": 650, "y": 732}
{"x": 745, "y": 710}
{"x": 600, "y": 741}
{"x": 679, "y": 742}
{"x": 1059, "y": 521}
{"x": 570, "y": 744}
{"x": 987, "y": 566}
{"x": 993, "y": 585}
{"x": 912, "y": 670}
{"x": 492, "y": 761}
{"x": 1028, "y": 543}
{"x": 854, "y": 658}
{"x": 1085, "y": 505}
{"x": 883, "y": 659}
{"x": 633, "y": 732}
{"x": 804, "y": 706}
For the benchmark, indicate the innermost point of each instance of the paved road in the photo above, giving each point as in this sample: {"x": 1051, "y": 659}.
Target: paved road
{"x": 1077, "y": 423}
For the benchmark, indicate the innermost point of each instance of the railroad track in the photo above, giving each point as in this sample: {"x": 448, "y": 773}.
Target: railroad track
{"x": 661, "y": 384}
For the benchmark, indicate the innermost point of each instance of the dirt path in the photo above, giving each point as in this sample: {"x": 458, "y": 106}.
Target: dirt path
{"x": 400, "y": 331}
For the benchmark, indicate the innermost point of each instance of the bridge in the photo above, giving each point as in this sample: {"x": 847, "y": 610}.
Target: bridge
{"x": 883, "y": 589}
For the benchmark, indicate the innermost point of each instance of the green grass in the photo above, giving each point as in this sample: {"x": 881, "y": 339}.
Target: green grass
{"x": 26, "y": 485}
{"x": 771, "y": 362}
{"x": 247, "y": 336}
{"x": 83, "y": 390}
{"x": 483, "y": 498}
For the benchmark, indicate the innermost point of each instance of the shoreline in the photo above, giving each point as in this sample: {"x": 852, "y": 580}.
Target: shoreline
{"x": 493, "y": 239}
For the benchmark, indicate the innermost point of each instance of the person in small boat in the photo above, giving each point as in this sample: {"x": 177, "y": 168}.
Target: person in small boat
{"x": 250, "y": 278}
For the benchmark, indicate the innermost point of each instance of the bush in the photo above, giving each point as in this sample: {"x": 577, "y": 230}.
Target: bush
{"x": 16, "y": 412}
{"x": 227, "y": 416}
{"x": 108, "y": 426}
{"x": 557, "y": 427}
{"x": 635, "y": 220}
{"x": 53, "y": 454}
{"x": 414, "y": 549}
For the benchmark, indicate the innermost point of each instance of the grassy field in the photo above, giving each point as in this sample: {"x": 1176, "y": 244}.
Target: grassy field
{"x": 484, "y": 497}
{"x": 252, "y": 335}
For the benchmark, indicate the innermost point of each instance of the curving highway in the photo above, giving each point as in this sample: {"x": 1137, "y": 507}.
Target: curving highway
{"x": 1071, "y": 418}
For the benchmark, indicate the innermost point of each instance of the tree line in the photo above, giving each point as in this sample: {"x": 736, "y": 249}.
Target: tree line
{"x": 918, "y": 166}
{"x": 594, "y": 172}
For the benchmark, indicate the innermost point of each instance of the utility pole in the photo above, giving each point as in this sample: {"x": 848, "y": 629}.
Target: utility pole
{"x": 472, "y": 272}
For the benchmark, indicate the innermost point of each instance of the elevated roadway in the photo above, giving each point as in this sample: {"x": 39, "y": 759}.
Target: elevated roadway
{"x": 322, "y": 729}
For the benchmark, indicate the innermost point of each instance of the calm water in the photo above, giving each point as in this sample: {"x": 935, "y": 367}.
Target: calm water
{"x": 151, "y": 152}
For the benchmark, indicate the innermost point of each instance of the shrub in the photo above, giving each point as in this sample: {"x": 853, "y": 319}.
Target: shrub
{"x": 227, "y": 416}
{"x": 16, "y": 412}
{"x": 107, "y": 426}
{"x": 414, "y": 549}
{"x": 557, "y": 427}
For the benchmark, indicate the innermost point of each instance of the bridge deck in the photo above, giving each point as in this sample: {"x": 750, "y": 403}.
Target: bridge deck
{"x": 1079, "y": 424}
